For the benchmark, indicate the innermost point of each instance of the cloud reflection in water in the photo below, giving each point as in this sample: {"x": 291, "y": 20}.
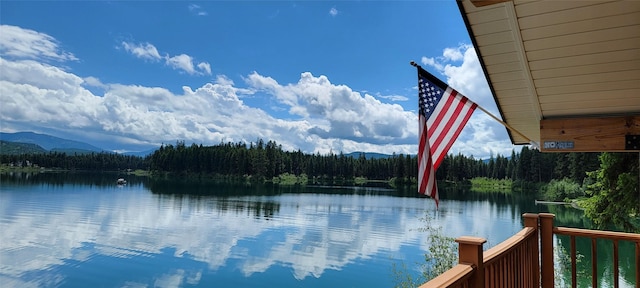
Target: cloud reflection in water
{"x": 46, "y": 235}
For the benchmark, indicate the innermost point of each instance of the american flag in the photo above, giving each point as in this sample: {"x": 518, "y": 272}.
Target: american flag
{"x": 442, "y": 114}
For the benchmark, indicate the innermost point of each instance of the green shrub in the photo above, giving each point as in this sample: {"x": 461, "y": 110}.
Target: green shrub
{"x": 561, "y": 190}
{"x": 484, "y": 184}
{"x": 290, "y": 179}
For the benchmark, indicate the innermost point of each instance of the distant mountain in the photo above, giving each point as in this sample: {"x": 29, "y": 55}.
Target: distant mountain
{"x": 494, "y": 159}
{"x": 368, "y": 155}
{"x": 141, "y": 153}
{"x": 48, "y": 142}
{"x": 16, "y": 148}
{"x": 75, "y": 151}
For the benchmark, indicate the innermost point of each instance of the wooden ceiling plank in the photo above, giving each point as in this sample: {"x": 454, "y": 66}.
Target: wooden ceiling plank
{"x": 586, "y": 103}
{"x": 516, "y": 111}
{"x": 513, "y": 93}
{"x": 507, "y": 76}
{"x": 498, "y": 49}
{"x": 511, "y": 57}
{"x": 526, "y": 9}
{"x": 482, "y": 3}
{"x": 495, "y": 38}
{"x": 520, "y": 2}
{"x": 576, "y": 112}
{"x": 579, "y": 14}
{"x": 513, "y": 103}
{"x": 629, "y": 85}
{"x": 581, "y": 60}
{"x": 504, "y": 67}
{"x": 586, "y": 79}
{"x": 612, "y": 21}
{"x": 585, "y": 49}
{"x": 604, "y": 35}
{"x": 630, "y": 66}
{"x": 509, "y": 85}
{"x": 487, "y": 14}
{"x": 517, "y": 106}
{"x": 490, "y": 27}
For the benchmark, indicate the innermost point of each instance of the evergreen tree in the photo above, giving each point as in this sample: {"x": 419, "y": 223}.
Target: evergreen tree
{"x": 614, "y": 192}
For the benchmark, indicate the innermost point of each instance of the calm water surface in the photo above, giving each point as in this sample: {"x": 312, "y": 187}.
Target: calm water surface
{"x": 82, "y": 230}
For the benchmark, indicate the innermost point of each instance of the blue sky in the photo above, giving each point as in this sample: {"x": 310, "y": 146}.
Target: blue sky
{"x": 318, "y": 76}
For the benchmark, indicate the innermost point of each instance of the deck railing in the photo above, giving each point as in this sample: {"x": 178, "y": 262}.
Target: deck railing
{"x": 546, "y": 240}
{"x": 526, "y": 259}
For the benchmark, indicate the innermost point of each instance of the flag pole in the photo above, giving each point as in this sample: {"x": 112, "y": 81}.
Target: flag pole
{"x": 533, "y": 143}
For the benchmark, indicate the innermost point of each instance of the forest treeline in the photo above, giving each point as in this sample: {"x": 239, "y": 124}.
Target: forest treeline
{"x": 264, "y": 160}
{"x": 269, "y": 160}
{"x": 84, "y": 161}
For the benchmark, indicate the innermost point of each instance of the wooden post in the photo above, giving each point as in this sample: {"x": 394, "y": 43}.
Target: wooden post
{"x": 546, "y": 247}
{"x": 470, "y": 252}
{"x": 637, "y": 264}
{"x": 531, "y": 220}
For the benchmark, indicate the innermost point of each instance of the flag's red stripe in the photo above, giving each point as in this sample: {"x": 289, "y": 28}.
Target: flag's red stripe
{"x": 423, "y": 135}
{"x": 440, "y": 151}
{"x": 439, "y": 114}
{"x": 437, "y": 130}
{"x": 426, "y": 175}
{"x": 423, "y": 183}
{"x": 435, "y": 146}
{"x": 427, "y": 184}
{"x": 423, "y": 147}
{"x": 457, "y": 132}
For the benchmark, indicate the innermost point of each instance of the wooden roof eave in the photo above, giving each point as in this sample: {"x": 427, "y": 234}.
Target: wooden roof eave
{"x": 584, "y": 56}
{"x": 516, "y": 139}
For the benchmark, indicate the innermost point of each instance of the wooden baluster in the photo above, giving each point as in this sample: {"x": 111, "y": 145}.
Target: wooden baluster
{"x": 546, "y": 245}
{"x": 574, "y": 280}
{"x": 615, "y": 264}
{"x": 594, "y": 263}
{"x": 637, "y": 264}
{"x": 514, "y": 268}
{"x": 531, "y": 220}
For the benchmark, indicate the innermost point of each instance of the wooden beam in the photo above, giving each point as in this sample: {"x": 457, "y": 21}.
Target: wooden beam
{"x": 481, "y": 3}
{"x": 605, "y": 134}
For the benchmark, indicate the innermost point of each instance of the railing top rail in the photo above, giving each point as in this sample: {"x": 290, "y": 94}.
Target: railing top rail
{"x": 611, "y": 235}
{"x": 508, "y": 244}
{"x": 455, "y": 275}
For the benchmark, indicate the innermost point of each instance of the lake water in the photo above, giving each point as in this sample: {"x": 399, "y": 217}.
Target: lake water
{"x": 83, "y": 230}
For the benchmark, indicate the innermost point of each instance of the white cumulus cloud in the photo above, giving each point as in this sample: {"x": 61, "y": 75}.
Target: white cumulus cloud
{"x": 197, "y": 9}
{"x": 333, "y": 12}
{"x": 182, "y": 62}
{"x": 322, "y": 116}
{"x": 341, "y": 112}
{"x": 142, "y": 50}
{"x": 25, "y": 43}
